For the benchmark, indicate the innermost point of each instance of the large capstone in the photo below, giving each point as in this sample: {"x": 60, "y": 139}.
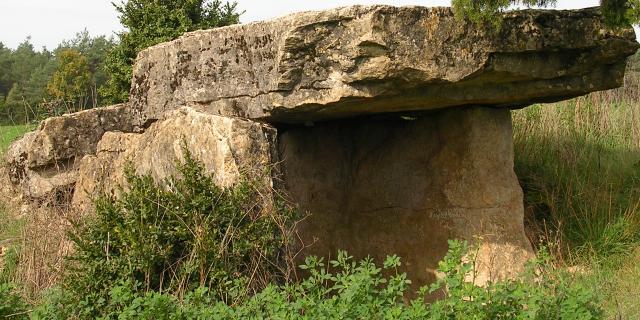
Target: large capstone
{"x": 364, "y": 60}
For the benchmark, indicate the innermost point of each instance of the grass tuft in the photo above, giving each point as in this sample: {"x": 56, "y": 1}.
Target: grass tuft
{"x": 9, "y": 134}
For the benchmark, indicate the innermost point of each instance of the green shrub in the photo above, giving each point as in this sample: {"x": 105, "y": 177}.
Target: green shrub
{"x": 176, "y": 236}
{"x": 11, "y": 304}
{"x": 358, "y": 290}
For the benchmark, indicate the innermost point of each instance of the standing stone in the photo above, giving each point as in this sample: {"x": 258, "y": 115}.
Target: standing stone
{"x": 406, "y": 186}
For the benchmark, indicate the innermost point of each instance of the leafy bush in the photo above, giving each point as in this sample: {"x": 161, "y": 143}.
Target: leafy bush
{"x": 176, "y": 236}
{"x": 358, "y": 290}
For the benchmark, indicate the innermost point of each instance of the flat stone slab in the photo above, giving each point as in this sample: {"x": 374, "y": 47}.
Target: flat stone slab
{"x": 361, "y": 60}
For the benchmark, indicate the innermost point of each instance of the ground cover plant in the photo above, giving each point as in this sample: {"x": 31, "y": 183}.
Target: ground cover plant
{"x": 358, "y": 290}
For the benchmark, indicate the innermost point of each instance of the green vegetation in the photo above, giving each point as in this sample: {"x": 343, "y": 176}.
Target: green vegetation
{"x": 11, "y": 304}
{"x": 359, "y": 290}
{"x": 72, "y": 78}
{"x": 578, "y": 163}
{"x": 8, "y": 134}
{"x": 26, "y": 74}
{"x": 174, "y": 240}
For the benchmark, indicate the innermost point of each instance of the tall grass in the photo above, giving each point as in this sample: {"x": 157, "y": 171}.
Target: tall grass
{"x": 10, "y": 133}
{"x": 579, "y": 165}
{"x": 10, "y": 235}
{"x": 578, "y": 162}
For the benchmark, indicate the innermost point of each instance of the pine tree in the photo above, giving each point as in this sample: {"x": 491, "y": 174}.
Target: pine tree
{"x": 17, "y": 109}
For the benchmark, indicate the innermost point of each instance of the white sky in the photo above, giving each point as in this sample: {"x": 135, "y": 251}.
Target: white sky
{"x": 48, "y": 22}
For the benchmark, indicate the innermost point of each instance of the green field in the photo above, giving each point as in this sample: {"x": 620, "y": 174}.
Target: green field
{"x": 8, "y": 134}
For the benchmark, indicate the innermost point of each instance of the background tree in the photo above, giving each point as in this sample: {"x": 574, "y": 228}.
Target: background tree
{"x": 616, "y": 12}
{"x": 150, "y": 22}
{"x": 17, "y": 109}
{"x": 28, "y": 72}
{"x": 5, "y": 66}
{"x": 25, "y": 73}
{"x": 72, "y": 79}
{"x": 95, "y": 50}
{"x": 3, "y": 110}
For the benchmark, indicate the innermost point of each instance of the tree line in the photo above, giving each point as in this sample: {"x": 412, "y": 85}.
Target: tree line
{"x": 87, "y": 71}
{"x": 38, "y": 83}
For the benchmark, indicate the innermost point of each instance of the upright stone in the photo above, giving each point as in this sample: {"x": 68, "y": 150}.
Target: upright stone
{"x": 44, "y": 163}
{"x": 406, "y": 186}
{"x": 230, "y": 149}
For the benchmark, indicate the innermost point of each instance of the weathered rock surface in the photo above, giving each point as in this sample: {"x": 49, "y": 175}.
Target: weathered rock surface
{"x": 405, "y": 187}
{"x": 376, "y": 59}
{"x": 44, "y": 162}
{"x": 227, "y": 147}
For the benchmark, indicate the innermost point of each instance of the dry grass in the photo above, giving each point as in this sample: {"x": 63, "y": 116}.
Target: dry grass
{"x": 43, "y": 246}
{"x": 38, "y": 237}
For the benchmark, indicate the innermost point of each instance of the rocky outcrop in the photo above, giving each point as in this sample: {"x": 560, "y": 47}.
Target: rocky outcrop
{"x": 362, "y": 60}
{"x": 228, "y": 148}
{"x": 44, "y": 162}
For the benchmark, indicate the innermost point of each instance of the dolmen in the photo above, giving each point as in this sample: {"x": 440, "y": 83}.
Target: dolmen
{"x": 389, "y": 126}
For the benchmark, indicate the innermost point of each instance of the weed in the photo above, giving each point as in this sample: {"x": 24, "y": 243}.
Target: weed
{"x": 178, "y": 235}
